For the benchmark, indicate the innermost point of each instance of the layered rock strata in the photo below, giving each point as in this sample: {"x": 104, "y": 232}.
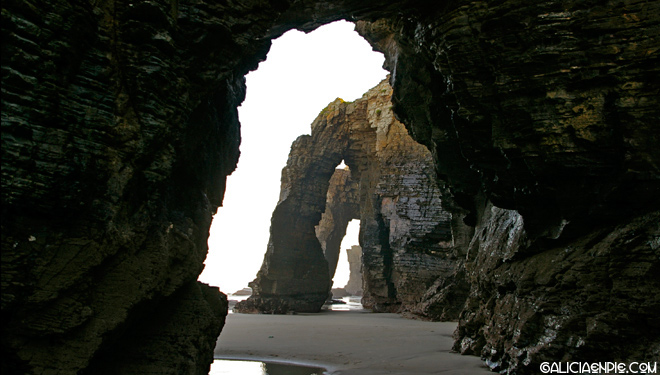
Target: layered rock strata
{"x": 547, "y": 112}
{"x": 115, "y": 148}
{"x": 119, "y": 127}
{"x": 405, "y": 234}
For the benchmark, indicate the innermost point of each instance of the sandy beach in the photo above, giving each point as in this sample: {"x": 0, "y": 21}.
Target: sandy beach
{"x": 347, "y": 342}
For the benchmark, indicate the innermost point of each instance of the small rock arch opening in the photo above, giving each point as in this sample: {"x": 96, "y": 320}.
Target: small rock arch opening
{"x": 338, "y": 234}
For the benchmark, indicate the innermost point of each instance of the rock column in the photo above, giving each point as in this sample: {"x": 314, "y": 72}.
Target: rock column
{"x": 354, "y": 284}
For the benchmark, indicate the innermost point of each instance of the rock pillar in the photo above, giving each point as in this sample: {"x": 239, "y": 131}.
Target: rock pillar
{"x": 354, "y": 284}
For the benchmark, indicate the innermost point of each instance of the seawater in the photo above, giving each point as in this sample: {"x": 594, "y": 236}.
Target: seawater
{"x": 233, "y": 299}
{"x": 351, "y": 303}
{"x": 232, "y": 367}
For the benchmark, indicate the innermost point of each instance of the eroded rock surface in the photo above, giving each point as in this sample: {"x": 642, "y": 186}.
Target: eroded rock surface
{"x": 115, "y": 146}
{"x": 405, "y": 234}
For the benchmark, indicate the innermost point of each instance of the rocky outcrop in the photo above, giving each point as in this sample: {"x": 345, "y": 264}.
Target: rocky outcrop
{"x": 354, "y": 285}
{"x": 119, "y": 126}
{"x": 405, "y": 234}
{"x": 544, "y": 111}
{"x": 115, "y": 147}
{"x": 567, "y": 296}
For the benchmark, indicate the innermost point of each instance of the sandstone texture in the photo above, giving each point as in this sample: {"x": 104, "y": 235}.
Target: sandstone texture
{"x": 119, "y": 126}
{"x": 405, "y": 234}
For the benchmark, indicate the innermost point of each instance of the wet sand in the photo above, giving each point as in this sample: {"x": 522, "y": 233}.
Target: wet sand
{"x": 347, "y": 342}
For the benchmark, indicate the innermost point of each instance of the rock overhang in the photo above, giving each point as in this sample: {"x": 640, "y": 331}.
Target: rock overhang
{"x": 547, "y": 109}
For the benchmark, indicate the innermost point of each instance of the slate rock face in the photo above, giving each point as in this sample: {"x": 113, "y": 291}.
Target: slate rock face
{"x": 119, "y": 126}
{"x": 545, "y": 111}
{"x": 405, "y": 234}
{"x": 115, "y": 148}
{"x": 540, "y": 106}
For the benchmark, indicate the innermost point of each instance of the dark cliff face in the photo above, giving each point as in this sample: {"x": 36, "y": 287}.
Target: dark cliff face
{"x": 580, "y": 298}
{"x": 119, "y": 127}
{"x": 547, "y": 111}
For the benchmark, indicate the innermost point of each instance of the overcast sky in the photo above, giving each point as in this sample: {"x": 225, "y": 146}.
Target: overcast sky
{"x": 302, "y": 74}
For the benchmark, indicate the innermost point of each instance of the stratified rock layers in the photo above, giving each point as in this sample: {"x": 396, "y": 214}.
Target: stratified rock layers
{"x": 547, "y": 111}
{"x": 119, "y": 126}
{"x": 115, "y": 149}
{"x": 405, "y": 234}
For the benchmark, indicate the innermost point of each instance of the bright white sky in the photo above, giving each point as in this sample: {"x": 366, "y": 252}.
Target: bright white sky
{"x": 303, "y": 73}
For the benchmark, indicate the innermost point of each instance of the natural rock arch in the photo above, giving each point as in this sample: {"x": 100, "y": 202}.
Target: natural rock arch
{"x": 405, "y": 234}
{"x": 119, "y": 126}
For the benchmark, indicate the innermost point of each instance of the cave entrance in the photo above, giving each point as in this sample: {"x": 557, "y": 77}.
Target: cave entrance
{"x": 301, "y": 75}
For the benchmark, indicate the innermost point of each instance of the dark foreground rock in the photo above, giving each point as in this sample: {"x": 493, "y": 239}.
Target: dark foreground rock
{"x": 188, "y": 316}
{"x": 569, "y": 298}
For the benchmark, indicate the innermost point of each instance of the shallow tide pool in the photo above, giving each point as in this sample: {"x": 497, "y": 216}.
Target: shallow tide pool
{"x": 232, "y": 367}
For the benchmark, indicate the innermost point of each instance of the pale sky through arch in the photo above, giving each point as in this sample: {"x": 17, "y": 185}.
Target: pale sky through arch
{"x": 302, "y": 74}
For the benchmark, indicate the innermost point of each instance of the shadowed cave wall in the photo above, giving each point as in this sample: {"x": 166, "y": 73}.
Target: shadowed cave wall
{"x": 119, "y": 126}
